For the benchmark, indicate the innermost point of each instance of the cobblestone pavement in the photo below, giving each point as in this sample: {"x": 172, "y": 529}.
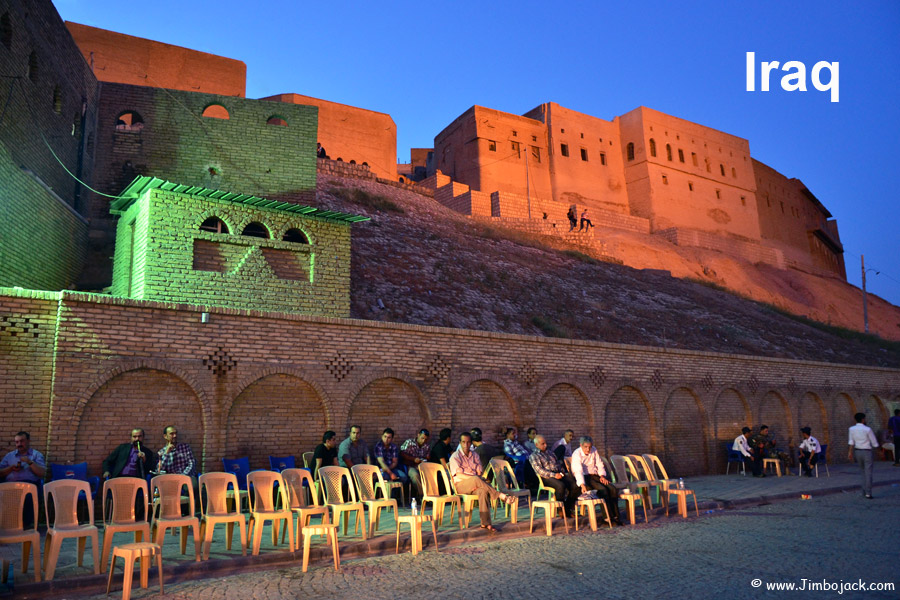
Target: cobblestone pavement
{"x": 832, "y": 539}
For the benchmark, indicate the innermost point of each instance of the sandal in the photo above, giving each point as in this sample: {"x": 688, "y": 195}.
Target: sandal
{"x": 507, "y": 498}
{"x": 490, "y": 528}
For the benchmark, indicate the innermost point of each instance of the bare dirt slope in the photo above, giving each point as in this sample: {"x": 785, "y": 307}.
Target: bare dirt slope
{"x": 419, "y": 262}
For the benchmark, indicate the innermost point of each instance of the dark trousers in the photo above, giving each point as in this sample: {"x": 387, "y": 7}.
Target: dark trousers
{"x": 808, "y": 461}
{"x": 566, "y": 490}
{"x": 606, "y": 492}
{"x": 896, "y": 448}
{"x": 758, "y": 456}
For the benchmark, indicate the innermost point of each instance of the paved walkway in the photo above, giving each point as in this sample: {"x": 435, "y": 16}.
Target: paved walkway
{"x": 737, "y": 517}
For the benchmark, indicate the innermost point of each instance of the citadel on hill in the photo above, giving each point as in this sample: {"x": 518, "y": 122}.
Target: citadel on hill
{"x": 228, "y": 289}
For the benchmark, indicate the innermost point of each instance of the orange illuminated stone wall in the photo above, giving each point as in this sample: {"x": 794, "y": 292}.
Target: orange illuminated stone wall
{"x": 353, "y": 135}
{"x": 119, "y": 58}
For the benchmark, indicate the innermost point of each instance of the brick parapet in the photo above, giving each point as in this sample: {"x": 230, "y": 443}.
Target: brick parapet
{"x": 337, "y": 168}
{"x": 746, "y": 250}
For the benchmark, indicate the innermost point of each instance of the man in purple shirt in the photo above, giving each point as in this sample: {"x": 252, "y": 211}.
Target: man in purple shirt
{"x": 130, "y": 459}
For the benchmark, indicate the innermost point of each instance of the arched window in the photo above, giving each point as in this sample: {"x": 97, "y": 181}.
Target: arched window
{"x": 216, "y": 111}
{"x": 668, "y": 152}
{"x": 652, "y": 147}
{"x": 352, "y": 161}
{"x": 76, "y": 125}
{"x": 296, "y": 236}
{"x": 129, "y": 121}
{"x": 6, "y": 30}
{"x": 256, "y": 230}
{"x": 629, "y": 151}
{"x": 722, "y": 169}
{"x": 276, "y": 120}
{"x": 32, "y": 67}
{"x": 214, "y": 225}
{"x": 57, "y": 100}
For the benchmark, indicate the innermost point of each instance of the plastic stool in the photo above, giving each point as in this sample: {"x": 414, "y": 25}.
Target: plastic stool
{"x": 130, "y": 553}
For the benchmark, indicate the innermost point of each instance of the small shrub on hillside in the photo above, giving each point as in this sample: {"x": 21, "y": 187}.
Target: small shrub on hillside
{"x": 549, "y": 328}
{"x": 367, "y": 199}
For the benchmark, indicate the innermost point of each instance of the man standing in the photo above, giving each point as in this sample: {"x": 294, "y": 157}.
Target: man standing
{"x": 176, "y": 458}
{"x": 743, "y": 446}
{"x": 549, "y": 469}
{"x": 24, "y": 463}
{"x": 414, "y": 452}
{"x": 590, "y": 474}
{"x": 465, "y": 468}
{"x": 353, "y": 450}
{"x": 894, "y": 428}
{"x": 325, "y": 454}
{"x": 388, "y": 456}
{"x": 809, "y": 451}
{"x": 130, "y": 460}
{"x": 862, "y": 445}
{"x": 563, "y": 447}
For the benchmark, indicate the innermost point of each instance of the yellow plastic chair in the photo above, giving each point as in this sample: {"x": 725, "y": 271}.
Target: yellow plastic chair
{"x": 216, "y": 510}
{"x": 119, "y": 497}
{"x": 13, "y": 495}
{"x": 550, "y": 508}
{"x": 64, "y": 493}
{"x": 430, "y": 474}
{"x": 265, "y": 505}
{"x": 167, "y": 510}
{"x": 332, "y": 479}
{"x": 366, "y": 477}
{"x": 641, "y": 473}
{"x": 626, "y": 481}
{"x": 504, "y": 473}
{"x": 299, "y": 497}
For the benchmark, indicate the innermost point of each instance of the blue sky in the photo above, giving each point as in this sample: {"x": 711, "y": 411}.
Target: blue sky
{"x": 425, "y": 63}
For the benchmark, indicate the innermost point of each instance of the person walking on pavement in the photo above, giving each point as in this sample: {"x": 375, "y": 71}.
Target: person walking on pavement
{"x": 862, "y": 445}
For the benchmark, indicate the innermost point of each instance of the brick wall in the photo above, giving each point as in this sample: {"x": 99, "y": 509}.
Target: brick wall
{"x": 746, "y": 250}
{"x": 161, "y": 254}
{"x": 255, "y": 383}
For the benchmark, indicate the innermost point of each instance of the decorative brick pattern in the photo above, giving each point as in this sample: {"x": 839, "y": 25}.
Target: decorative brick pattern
{"x": 707, "y": 382}
{"x": 657, "y": 379}
{"x": 339, "y": 366}
{"x": 598, "y": 376}
{"x": 438, "y": 369}
{"x": 220, "y": 362}
{"x": 528, "y": 374}
{"x": 13, "y": 326}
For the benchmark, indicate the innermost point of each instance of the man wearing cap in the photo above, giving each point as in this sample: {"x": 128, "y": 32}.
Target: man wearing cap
{"x": 809, "y": 451}
{"x": 743, "y": 446}
{"x": 862, "y": 445}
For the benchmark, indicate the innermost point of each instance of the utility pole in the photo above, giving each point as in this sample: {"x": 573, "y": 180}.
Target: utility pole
{"x": 862, "y": 260}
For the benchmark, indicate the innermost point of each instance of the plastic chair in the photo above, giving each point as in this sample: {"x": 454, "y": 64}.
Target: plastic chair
{"x": 332, "y": 479}
{"x": 430, "y": 473}
{"x": 646, "y": 472}
{"x": 119, "y": 516}
{"x": 734, "y": 456}
{"x": 13, "y": 495}
{"x": 502, "y": 470}
{"x": 130, "y": 553}
{"x": 280, "y": 463}
{"x": 366, "y": 476}
{"x": 821, "y": 460}
{"x": 298, "y": 483}
{"x": 308, "y": 459}
{"x": 625, "y": 478}
{"x": 78, "y": 472}
{"x": 468, "y": 501}
{"x": 519, "y": 468}
{"x": 551, "y": 493}
{"x": 239, "y": 467}
{"x": 168, "y": 505}
{"x": 550, "y": 508}
{"x": 269, "y": 502}
{"x": 215, "y": 510}
{"x": 65, "y": 525}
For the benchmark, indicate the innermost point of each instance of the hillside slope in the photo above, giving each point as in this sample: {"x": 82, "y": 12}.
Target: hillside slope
{"x": 418, "y": 262}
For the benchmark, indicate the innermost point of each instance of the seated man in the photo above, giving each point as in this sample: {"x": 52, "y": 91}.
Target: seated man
{"x": 590, "y": 474}
{"x": 130, "y": 459}
{"x": 414, "y": 452}
{"x": 441, "y": 451}
{"x": 177, "y": 458}
{"x": 809, "y": 451}
{"x": 353, "y": 450}
{"x": 24, "y": 464}
{"x": 553, "y": 475}
{"x": 484, "y": 451}
{"x": 388, "y": 456}
{"x": 512, "y": 447}
{"x": 529, "y": 443}
{"x": 743, "y": 446}
{"x": 325, "y": 454}
{"x": 564, "y": 447}
{"x": 465, "y": 468}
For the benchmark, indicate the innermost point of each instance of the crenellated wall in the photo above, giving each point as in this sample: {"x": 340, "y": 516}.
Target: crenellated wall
{"x": 79, "y": 371}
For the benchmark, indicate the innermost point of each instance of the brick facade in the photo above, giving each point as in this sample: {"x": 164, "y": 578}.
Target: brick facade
{"x": 254, "y": 383}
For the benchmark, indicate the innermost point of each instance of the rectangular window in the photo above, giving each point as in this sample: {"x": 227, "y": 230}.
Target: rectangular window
{"x": 492, "y": 145}
{"x": 536, "y": 153}
{"x": 743, "y": 200}
{"x": 584, "y": 154}
{"x": 564, "y": 149}
{"x": 665, "y": 180}
{"x": 517, "y": 149}
{"x": 690, "y": 186}
{"x": 681, "y": 155}
{"x": 603, "y": 158}
{"x": 694, "y": 158}
{"x": 718, "y": 194}
{"x": 515, "y": 133}
{"x": 534, "y": 138}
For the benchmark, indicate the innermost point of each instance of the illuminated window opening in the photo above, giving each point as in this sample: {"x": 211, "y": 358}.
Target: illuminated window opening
{"x": 492, "y": 146}
{"x": 629, "y": 151}
{"x": 214, "y": 225}
{"x": 129, "y": 121}
{"x": 256, "y": 230}
{"x": 680, "y": 155}
{"x": 216, "y": 111}
{"x": 276, "y": 120}
{"x": 564, "y": 149}
{"x": 652, "y": 147}
{"x": 668, "y": 152}
{"x": 584, "y": 154}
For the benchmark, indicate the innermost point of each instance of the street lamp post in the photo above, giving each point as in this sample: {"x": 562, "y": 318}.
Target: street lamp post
{"x": 862, "y": 260}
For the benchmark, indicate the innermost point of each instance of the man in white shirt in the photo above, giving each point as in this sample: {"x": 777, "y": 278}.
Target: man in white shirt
{"x": 809, "y": 451}
{"x": 465, "y": 469}
{"x": 862, "y": 445}
{"x": 590, "y": 474}
{"x": 743, "y": 446}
